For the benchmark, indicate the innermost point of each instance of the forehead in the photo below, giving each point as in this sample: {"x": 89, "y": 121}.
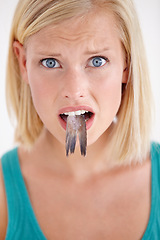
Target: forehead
{"x": 97, "y": 26}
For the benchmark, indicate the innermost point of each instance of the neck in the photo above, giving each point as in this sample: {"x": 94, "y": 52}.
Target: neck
{"x": 75, "y": 165}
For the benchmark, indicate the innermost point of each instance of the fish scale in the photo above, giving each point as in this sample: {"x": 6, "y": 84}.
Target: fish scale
{"x": 76, "y": 125}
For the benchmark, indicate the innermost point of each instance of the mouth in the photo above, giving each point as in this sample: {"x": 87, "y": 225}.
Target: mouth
{"x": 88, "y": 116}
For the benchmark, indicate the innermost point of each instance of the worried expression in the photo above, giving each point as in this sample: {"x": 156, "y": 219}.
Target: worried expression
{"x": 76, "y": 67}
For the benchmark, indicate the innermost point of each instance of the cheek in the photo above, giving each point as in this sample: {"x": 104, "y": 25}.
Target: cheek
{"x": 109, "y": 95}
{"x": 110, "y": 87}
{"x": 110, "y": 101}
{"x": 42, "y": 88}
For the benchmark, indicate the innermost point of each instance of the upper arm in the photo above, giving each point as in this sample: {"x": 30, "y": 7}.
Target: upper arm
{"x": 3, "y": 207}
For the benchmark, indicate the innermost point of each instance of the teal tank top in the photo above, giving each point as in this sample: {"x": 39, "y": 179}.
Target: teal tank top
{"x": 22, "y": 222}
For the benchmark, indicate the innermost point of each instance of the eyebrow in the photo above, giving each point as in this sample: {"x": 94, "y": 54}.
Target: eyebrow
{"x": 96, "y": 51}
{"x": 49, "y": 54}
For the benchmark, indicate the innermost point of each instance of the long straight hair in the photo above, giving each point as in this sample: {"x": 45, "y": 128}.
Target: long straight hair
{"x": 130, "y": 135}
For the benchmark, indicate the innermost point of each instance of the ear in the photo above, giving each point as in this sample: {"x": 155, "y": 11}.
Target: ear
{"x": 20, "y": 53}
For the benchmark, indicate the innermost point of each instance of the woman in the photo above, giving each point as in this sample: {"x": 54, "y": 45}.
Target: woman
{"x": 77, "y": 68}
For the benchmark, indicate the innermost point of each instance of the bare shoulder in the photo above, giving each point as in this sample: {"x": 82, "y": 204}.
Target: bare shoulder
{"x": 3, "y": 207}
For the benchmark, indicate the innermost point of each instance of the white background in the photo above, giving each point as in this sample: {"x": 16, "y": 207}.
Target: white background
{"x": 149, "y": 15}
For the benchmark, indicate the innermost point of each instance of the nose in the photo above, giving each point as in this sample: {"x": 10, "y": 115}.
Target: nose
{"x": 75, "y": 85}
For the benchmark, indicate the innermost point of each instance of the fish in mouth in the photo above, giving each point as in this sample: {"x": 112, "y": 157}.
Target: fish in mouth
{"x": 76, "y": 126}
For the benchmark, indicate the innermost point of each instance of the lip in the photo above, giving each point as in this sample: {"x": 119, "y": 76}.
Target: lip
{"x": 89, "y": 122}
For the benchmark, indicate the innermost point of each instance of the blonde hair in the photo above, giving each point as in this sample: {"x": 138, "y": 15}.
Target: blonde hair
{"x": 130, "y": 136}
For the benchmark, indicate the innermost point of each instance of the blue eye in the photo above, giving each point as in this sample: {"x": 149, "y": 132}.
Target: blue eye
{"x": 50, "y": 63}
{"x": 97, "y": 62}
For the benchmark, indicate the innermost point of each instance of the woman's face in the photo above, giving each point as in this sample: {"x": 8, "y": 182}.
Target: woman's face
{"x": 76, "y": 65}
